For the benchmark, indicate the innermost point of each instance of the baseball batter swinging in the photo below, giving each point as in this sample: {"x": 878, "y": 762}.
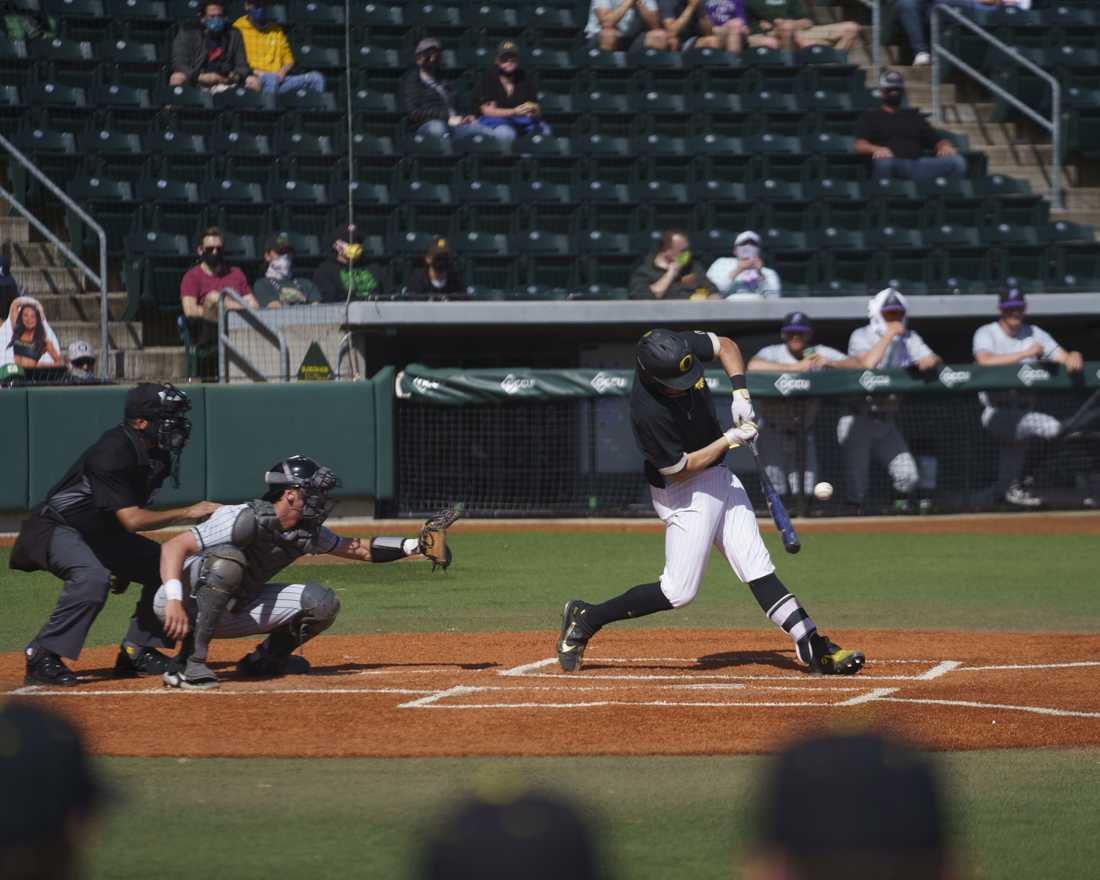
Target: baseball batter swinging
{"x": 228, "y": 561}
{"x": 698, "y": 499}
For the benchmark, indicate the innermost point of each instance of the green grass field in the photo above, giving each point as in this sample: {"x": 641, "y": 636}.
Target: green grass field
{"x": 1020, "y": 813}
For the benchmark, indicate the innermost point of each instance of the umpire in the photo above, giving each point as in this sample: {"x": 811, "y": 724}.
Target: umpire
{"x": 84, "y": 533}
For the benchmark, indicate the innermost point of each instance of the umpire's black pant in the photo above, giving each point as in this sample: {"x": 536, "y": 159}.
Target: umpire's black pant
{"x": 86, "y": 568}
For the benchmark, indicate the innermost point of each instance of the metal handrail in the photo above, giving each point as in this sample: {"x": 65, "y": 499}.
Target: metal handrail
{"x": 99, "y": 280}
{"x": 1053, "y": 125}
{"x": 229, "y": 353}
{"x": 876, "y": 34}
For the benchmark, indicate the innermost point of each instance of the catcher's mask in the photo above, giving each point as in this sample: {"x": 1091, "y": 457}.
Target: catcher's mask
{"x": 314, "y": 482}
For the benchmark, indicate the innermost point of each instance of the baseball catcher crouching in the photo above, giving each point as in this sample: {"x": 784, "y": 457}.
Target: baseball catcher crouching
{"x": 216, "y": 576}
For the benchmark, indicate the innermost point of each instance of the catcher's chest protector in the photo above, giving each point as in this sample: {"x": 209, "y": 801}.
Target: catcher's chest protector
{"x": 273, "y": 549}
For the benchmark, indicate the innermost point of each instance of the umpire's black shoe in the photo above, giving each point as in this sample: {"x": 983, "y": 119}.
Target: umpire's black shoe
{"x": 45, "y": 667}
{"x": 574, "y": 635}
{"x": 261, "y": 664}
{"x": 138, "y": 660}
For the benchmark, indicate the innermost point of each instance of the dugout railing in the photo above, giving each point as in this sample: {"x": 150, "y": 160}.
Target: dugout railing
{"x": 547, "y": 443}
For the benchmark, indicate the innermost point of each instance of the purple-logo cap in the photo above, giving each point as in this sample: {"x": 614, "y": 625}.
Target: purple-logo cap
{"x": 797, "y": 322}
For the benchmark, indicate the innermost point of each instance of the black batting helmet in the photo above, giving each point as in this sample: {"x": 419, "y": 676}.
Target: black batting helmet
{"x": 665, "y": 357}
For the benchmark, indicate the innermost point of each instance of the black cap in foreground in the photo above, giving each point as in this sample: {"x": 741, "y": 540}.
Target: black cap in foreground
{"x": 46, "y": 775}
{"x": 887, "y": 792}
{"x": 665, "y": 357}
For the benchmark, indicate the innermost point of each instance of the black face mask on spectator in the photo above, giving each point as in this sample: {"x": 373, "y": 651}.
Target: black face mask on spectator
{"x": 892, "y": 98}
{"x": 429, "y": 62}
{"x": 441, "y": 263}
{"x": 507, "y": 74}
{"x": 212, "y": 256}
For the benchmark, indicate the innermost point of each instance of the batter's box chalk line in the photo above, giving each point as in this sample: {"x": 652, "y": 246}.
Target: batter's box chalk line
{"x": 532, "y": 670}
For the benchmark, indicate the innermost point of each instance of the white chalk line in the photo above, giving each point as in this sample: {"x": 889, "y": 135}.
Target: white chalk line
{"x": 40, "y": 691}
{"x": 971, "y": 704}
{"x": 1068, "y": 665}
{"x": 598, "y": 703}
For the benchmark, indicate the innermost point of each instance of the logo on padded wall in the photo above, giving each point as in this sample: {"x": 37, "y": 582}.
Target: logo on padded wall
{"x": 511, "y": 384}
{"x": 602, "y": 383}
{"x": 869, "y": 380}
{"x": 788, "y": 383}
{"x": 1029, "y": 375}
{"x": 421, "y": 384}
{"x": 950, "y": 378}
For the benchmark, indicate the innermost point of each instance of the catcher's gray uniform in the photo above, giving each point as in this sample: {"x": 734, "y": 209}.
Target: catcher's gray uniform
{"x": 1011, "y": 417}
{"x": 263, "y": 606}
{"x": 785, "y": 421}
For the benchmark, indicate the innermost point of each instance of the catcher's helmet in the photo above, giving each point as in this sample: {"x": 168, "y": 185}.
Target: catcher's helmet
{"x": 314, "y": 480}
{"x": 665, "y": 357}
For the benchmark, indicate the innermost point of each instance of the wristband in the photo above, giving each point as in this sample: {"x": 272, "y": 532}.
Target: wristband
{"x": 173, "y": 589}
{"x": 728, "y": 434}
{"x": 738, "y": 382}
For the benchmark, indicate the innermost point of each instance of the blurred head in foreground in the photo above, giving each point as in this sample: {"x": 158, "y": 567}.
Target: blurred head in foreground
{"x": 526, "y": 834}
{"x": 859, "y": 805}
{"x": 48, "y": 795}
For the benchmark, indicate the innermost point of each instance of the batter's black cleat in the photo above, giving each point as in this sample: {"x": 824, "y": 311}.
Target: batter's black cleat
{"x": 574, "y": 636}
{"x": 45, "y": 667}
{"x": 193, "y": 676}
{"x": 261, "y": 664}
{"x": 828, "y": 658}
{"x": 138, "y": 660}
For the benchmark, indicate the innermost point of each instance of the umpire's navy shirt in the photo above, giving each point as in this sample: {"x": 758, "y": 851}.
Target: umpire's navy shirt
{"x": 116, "y": 471}
{"x": 667, "y": 428}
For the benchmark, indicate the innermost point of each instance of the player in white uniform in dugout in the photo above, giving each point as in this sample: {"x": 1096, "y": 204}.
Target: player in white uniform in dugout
{"x": 701, "y": 503}
{"x": 1011, "y": 417}
{"x": 786, "y": 421}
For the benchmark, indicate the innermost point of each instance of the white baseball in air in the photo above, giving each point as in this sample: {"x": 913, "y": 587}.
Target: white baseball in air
{"x": 823, "y": 491}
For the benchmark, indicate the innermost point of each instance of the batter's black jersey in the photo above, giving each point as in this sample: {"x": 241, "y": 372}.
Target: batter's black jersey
{"x": 666, "y": 428}
{"x": 117, "y": 471}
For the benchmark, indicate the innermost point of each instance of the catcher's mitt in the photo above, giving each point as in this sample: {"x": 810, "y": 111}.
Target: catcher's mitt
{"x": 432, "y": 540}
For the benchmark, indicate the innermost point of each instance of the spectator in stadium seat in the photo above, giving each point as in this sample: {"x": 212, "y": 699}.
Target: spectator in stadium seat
{"x": 202, "y": 284}
{"x": 507, "y": 98}
{"x": 897, "y": 824}
{"x": 280, "y": 286}
{"x": 744, "y": 275}
{"x": 24, "y": 23}
{"x": 210, "y": 53}
{"x": 618, "y": 25}
{"x": 269, "y": 53}
{"x": 439, "y": 277}
{"x": 913, "y": 16}
{"x": 682, "y": 23}
{"x": 429, "y": 102}
{"x": 1012, "y": 417}
{"x": 896, "y": 138}
{"x": 26, "y": 338}
{"x": 790, "y": 23}
{"x": 671, "y": 272}
{"x": 725, "y": 25}
{"x": 343, "y": 274}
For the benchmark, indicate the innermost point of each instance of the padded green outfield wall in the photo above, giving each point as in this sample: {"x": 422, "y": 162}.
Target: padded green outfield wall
{"x": 237, "y": 432}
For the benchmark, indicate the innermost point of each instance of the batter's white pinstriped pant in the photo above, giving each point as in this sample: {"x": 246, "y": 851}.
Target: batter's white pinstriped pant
{"x": 708, "y": 509}
{"x": 274, "y": 606}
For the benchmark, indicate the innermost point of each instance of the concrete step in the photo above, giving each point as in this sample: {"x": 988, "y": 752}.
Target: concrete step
{"x": 164, "y": 364}
{"x": 35, "y": 254}
{"x": 1091, "y": 218}
{"x": 55, "y": 280}
{"x": 82, "y": 308}
{"x": 984, "y": 134}
{"x": 1085, "y": 198}
{"x": 120, "y": 334}
{"x": 14, "y": 229}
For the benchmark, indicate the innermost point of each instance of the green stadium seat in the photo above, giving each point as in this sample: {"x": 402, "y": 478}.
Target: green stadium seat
{"x": 155, "y": 243}
{"x": 1022, "y": 210}
{"x": 328, "y": 60}
{"x": 303, "y": 144}
{"x": 1009, "y": 235}
{"x": 605, "y": 242}
{"x": 375, "y": 58}
{"x": 483, "y": 145}
{"x": 183, "y": 96}
{"x": 380, "y": 15}
{"x": 110, "y": 202}
{"x": 592, "y": 292}
{"x": 1030, "y": 265}
{"x": 122, "y": 97}
{"x": 537, "y": 241}
{"x": 54, "y": 152}
{"x": 610, "y": 270}
{"x": 226, "y": 191}
{"x": 895, "y": 238}
{"x": 109, "y": 143}
{"x": 16, "y": 67}
{"x": 965, "y": 269}
{"x": 542, "y": 147}
{"x": 547, "y": 17}
{"x": 851, "y": 272}
{"x": 840, "y": 238}
{"x": 710, "y": 58}
{"x": 777, "y": 239}
{"x": 420, "y": 192}
{"x": 302, "y": 195}
{"x": 476, "y": 191}
{"x": 314, "y": 12}
{"x": 1078, "y": 266}
{"x": 659, "y": 145}
{"x": 759, "y": 56}
{"x": 903, "y": 213}
{"x": 1067, "y": 231}
{"x": 488, "y": 272}
{"x": 175, "y": 217}
{"x": 825, "y": 189}
{"x": 946, "y": 235}
{"x": 498, "y": 19}
{"x": 137, "y": 10}
{"x": 819, "y": 55}
{"x": 421, "y": 145}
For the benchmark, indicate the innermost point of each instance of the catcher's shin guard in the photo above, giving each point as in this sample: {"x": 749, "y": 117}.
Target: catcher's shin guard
{"x": 220, "y": 577}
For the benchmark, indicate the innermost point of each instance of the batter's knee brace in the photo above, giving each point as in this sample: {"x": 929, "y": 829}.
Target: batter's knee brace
{"x": 904, "y": 473}
{"x": 319, "y": 609}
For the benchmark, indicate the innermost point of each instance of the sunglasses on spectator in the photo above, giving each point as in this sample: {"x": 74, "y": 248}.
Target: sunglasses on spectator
{"x": 84, "y": 363}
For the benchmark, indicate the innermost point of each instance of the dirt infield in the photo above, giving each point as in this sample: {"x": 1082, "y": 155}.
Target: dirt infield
{"x": 642, "y": 692}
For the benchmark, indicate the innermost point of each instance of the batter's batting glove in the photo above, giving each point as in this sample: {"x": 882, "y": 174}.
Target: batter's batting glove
{"x": 432, "y": 540}
{"x": 741, "y": 436}
{"x": 741, "y": 407}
